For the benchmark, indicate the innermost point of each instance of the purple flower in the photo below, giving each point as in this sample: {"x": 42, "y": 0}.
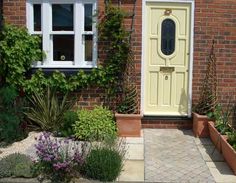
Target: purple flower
{"x": 46, "y": 159}
{"x": 60, "y": 166}
{"x": 66, "y": 141}
{"x": 55, "y": 155}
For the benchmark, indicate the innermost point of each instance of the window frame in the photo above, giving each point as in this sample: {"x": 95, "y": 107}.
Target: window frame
{"x": 78, "y": 32}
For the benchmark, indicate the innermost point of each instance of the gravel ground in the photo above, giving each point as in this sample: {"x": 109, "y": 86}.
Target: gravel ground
{"x": 25, "y": 146}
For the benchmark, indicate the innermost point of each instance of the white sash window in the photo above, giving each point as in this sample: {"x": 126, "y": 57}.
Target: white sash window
{"x": 68, "y": 32}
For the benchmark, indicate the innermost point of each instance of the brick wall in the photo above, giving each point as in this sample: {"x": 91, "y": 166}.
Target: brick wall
{"x": 14, "y": 12}
{"x": 214, "y": 19}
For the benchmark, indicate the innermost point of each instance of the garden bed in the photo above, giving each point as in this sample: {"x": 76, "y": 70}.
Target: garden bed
{"x": 25, "y": 146}
{"x": 34, "y": 180}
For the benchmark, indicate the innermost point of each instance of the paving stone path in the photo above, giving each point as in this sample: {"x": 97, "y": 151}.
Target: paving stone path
{"x": 172, "y": 156}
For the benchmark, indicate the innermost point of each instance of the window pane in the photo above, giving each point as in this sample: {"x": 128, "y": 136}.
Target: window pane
{"x": 62, "y": 17}
{"x": 168, "y": 37}
{"x": 88, "y": 47}
{"x": 88, "y": 17}
{"x": 63, "y": 47}
{"x": 37, "y": 17}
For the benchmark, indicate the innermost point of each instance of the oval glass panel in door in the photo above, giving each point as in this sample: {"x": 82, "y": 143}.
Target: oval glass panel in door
{"x": 168, "y": 36}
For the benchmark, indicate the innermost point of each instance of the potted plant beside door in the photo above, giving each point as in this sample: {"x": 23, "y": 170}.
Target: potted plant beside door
{"x": 208, "y": 98}
{"x": 118, "y": 49}
{"x": 127, "y": 118}
{"x": 229, "y": 149}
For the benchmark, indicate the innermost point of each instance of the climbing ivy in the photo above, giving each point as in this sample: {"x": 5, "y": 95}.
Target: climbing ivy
{"x": 19, "y": 49}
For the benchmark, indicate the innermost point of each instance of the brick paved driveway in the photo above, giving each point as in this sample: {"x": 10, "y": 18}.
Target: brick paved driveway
{"x": 172, "y": 156}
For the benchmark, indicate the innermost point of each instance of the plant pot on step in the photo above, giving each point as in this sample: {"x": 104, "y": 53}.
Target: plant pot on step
{"x": 215, "y": 136}
{"x": 200, "y": 125}
{"x": 129, "y": 125}
{"x": 229, "y": 153}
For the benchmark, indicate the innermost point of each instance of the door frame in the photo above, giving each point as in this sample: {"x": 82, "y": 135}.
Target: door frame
{"x": 144, "y": 25}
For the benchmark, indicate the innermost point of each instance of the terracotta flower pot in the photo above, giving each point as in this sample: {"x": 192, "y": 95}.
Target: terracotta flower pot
{"x": 215, "y": 135}
{"x": 229, "y": 153}
{"x": 200, "y": 125}
{"x": 129, "y": 125}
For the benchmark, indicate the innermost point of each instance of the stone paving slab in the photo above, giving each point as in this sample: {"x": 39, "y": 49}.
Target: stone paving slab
{"x": 135, "y": 152}
{"x": 215, "y": 161}
{"x": 221, "y": 172}
{"x": 172, "y": 156}
{"x": 210, "y": 153}
{"x": 133, "y": 171}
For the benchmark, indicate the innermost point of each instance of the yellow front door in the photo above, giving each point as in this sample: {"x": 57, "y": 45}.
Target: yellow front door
{"x": 167, "y": 59}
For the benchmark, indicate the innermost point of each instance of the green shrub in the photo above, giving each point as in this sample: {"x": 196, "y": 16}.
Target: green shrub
{"x": 222, "y": 118}
{"x": 232, "y": 139}
{"x": 95, "y": 124}
{"x": 16, "y": 165}
{"x": 48, "y": 109}
{"x": 11, "y": 115}
{"x": 5, "y": 168}
{"x": 69, "y": 118}
{"x": 18, "y": 49}
{"x": 104, "y": 162}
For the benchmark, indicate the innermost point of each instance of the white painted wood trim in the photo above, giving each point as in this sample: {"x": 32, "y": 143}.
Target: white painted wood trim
{"x": 29, "y": 17}
{"x": 144, "y": 14}
{"x": 77, "y": 39}
{"x": 191, "y": 59}
{"x": 78, "y": 32}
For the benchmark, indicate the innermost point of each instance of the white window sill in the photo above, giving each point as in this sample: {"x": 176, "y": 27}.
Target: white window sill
{"x": 64, "y": 66}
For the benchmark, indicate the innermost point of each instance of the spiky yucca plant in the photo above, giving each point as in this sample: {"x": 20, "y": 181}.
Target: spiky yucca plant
{"x": 48, "y": 109}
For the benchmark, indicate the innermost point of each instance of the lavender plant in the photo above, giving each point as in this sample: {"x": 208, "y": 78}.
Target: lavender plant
{"x": 58, "y": 160}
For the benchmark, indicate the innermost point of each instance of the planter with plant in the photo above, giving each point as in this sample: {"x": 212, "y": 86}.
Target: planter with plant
{"x": 229, "y": 149}
{"x": 118, "y": 49}
{"x": 208, "y": 98}
{"x": 220, "y": 126}
{"x": 127, "y": 120}
{"x": 215, "y": 135}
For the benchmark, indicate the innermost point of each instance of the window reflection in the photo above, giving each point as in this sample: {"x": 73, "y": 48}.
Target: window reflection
{"x": 37, "y": 17}
{"x": 168, "y": 37}
{"x": 62, "y": 17}
{"x": 88, "y": 18}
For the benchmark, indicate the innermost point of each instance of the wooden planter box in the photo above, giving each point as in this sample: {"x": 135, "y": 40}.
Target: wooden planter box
{"x": 200, "y": 125}
{"x": 215, "y": 136}
{"x": 129, "y": 125}
{"x": 229, "y": 153}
